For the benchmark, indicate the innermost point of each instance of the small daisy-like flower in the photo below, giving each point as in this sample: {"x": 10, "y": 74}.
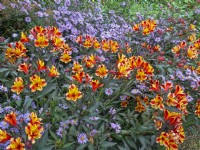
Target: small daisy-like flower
{"x": 135, "y": 91}
{"x": 123, "y": 97}
{"x": 94, "y": 118}
{"x": 112, "y": 111}
{"x": 82, "y": 138}
{"x": 116, "y": 126}
{"x": 28, "y": 19}
{"x": 108, "y": 91}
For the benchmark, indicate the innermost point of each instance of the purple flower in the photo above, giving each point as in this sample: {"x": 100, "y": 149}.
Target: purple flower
{"x": 109, "y": 91}
{"x": 28, "y": 19}
{"x": 4, "y": 125}
{"x": 65, "y": 124}
{"x": 112, "y": 111}
{"x": 39, "y": 14}
{"x": 60, "y": 131}
{"x": 74, "y": 122}
{"x": 3, "y": 88}
{"x": 2, "y": 7}
{"x": 135, "y": 91}
{"x": 16, "y": 97}
{"x": 63, "y": 106}
{"x": 67, "y": 3}
{"x": 93, "y": 132}
{"x": 116, "y": 127}
{"x": 123, "y": 97}
{"x": 189, "y": 98}
{"x": 57, "y": 1}
{"x": 82, "y": 138}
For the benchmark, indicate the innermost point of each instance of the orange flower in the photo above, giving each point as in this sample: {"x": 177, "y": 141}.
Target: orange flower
{"x": 90, "y": 61}
{"x": 176, "y": 49}
{"x": 105, "y": 45}
{"x": 192, "y": 52}
{"x": 73, "y": 93}
{"x": 192, "y": 27}
{"x": 18, "y": 85}
{"x": 34, "y": 131}
{"x": 163, "y": 139}
{"x": 65, "y": 57}
{"x": 157, "y": 103}
{"x": 34, "y": 119}
{"x": 95, "y": 85}
{"x": 41, "y": 65}
{"x": 57, "y": 42}
{"x": 158, "y": 124}
{"x": 141, "y": 76}
{"x": 114, "y": 46}
{"x": 101, "y": 71}
{"x": 88, "y": 78}
{"x": 140, "y": 107}
{"x": 124, "y": 104}
{"x": 88, "y": 42}
{"x": 24, "y": 67}
{"x": 4, "y": 136}
{"x": 173, "y": 118}
{"x": 123, "y": 69}
{"x": 171, "y": 101}
{"x": 24, "y": 38}
{"x": 79, "y": 76}
{"x": 53, "y": 72}
{"x": 79, "y": 39}
{"x": 16, "y": 144}
{"x": 77, "y": 67}
{"x": 11, "y": 119}
{"x": 37, "y": 83}
{"x": 96, "y": 44}
{"x": 41, "y": 41}
{"x": 179, "y": 91}
{"x": 155, "y": 85}
{"x": 167, "y": 86}
{"x": 136, "y": 27}
{"x": 156, "y": 48}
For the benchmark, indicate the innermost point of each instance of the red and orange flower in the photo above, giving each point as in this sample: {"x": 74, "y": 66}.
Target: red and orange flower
{"x": 18, "y": 85}
{"x": 37, "y": 83}
{"x": 11, "y": 119}
{"x": 73, "y": 94}
{"x": 16, "y": 144}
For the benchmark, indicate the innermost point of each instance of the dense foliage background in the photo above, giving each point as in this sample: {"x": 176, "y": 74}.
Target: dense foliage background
{"x": 99, "y": 74}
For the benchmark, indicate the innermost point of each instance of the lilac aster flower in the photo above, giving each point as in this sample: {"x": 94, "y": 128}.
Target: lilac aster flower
{"x": 65, "y": 124}
{"x": 67, "y": 3}
{"x": 93, "y": 132}
{"x": 14, "y": 35}
{"x": 63, "y": 106}
{"x": 109, "y": 91}
{"x": 112, "y": 111}
{"x": 3, "y": 88}
{"x": 39, "y": 14}
{"x": 60, "y": 131}
{"x": 135, "y": 91}
{"x": 4, "y": 125}
{"x": 2, "y": 7}
{"x": 74, "y": 122}
{"x": 82, "y": 138}
{"x": 189, "y": 98}
{"x": 124, "y": 97}
{"x": 116, "y": 127}
{"x": 57, "y": 1}
{"x": 28, "y": 19}
{"x": 16, "y": 97}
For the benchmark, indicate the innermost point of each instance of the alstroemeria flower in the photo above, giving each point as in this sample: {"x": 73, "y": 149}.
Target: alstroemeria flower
{"x": 34, "y": 131}
{"x": 41, "y": 65}
{"x": 4, "y": 136}
{"x": 24, "y": 67}
{"x": 95, "y": 85}
{"x": 157, "y": 103}
{"x": 141, "y": 76}
{"x": 11, "y": 119}
{"x": 53, "y": 72}
{"x": 73, "y": 94}
{"x": 18, "y": 85}
{"x": 101, "y": 71}
{"x": 37, "y": 83}
{"x": 16, "y": 144}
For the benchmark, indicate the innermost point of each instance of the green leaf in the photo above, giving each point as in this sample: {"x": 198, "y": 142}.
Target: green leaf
{"x": 53, "y": 135}
{"x": 68, "y": 144}
{"x": 47, "y": 89}
{"x": 107, "y": 144}
{"x": 131, "y": 143}
{"x": 3, "y": 69}
{"x": 27, "y": 103}
{"x": 81, "y": 147}
{"x": 91, "y": 146}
